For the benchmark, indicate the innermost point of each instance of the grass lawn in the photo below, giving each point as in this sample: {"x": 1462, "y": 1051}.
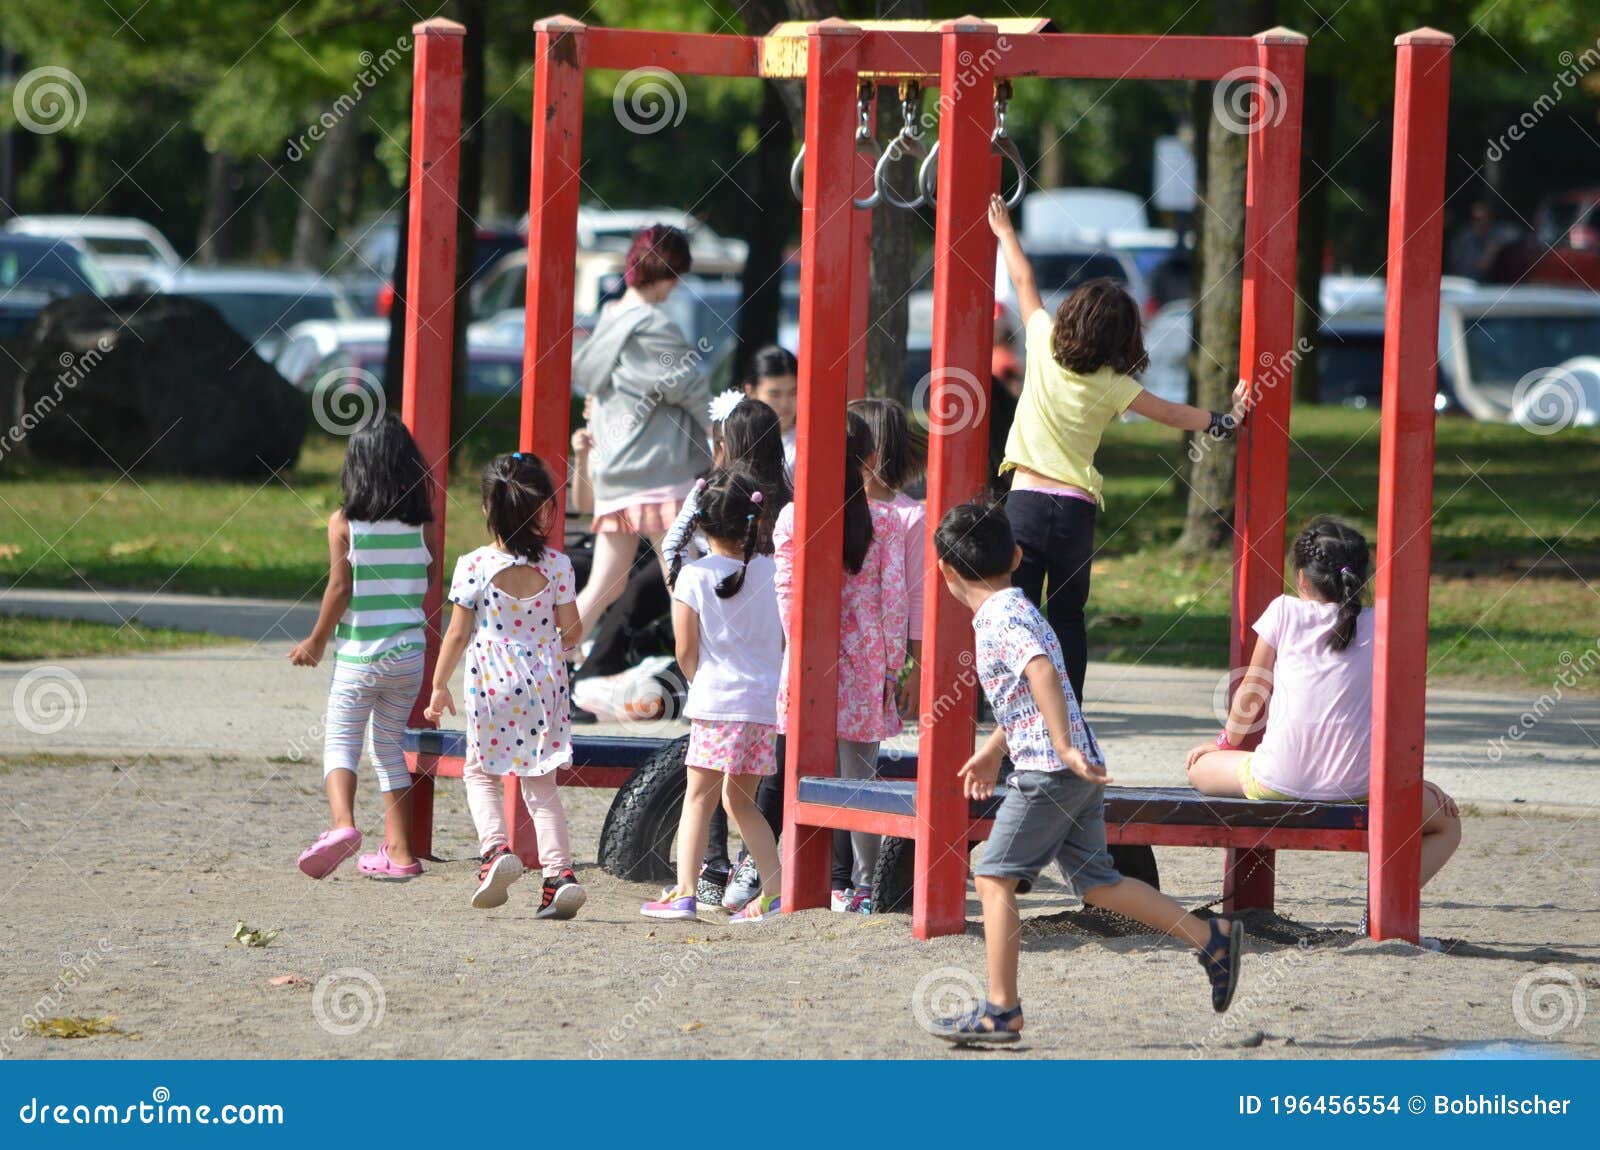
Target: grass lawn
{"x": 29, "y": 640}
{"x": 1505, "y": 500}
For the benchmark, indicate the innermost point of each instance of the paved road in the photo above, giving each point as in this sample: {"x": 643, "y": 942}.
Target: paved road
{"x": 248, "y": 701}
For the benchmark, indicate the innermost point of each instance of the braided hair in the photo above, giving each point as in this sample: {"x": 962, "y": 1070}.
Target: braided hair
{"x": 730, "y": 508}
{"x": 1336, "y": 562}
{"x": 517, "y": 499}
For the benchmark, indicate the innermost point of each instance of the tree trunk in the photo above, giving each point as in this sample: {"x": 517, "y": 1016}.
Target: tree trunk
{"x": 316, "y": 216}
{"x": 474, "y": 16}
{"x": 395, "y": 361}
{"x": 768, "y": 230}
{"x": 1316, "y": 157}
{"x": 1208, "y": 524}
{"x": 212, "y": 244}
{"x": 888, "y": 308}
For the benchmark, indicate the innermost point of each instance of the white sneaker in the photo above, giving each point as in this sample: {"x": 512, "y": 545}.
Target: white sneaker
{"x": 839, "y": 902}
{"x": 743, "y": 886}
{"x": 500, "y": 869}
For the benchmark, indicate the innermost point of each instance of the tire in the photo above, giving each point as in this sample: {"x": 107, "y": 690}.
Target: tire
{"x": 636, "y": 838}
{"x": 894, "y": 879}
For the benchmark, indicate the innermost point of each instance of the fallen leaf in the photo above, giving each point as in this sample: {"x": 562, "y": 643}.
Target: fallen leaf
{"x": 132, "y": 547}
{"x": 10, "y": 550}
{"x": 246, "y": 936}
{"x": 289, "y": 980}
{"x": 690, "y": 1027}
{"x": 74, "y": 1027}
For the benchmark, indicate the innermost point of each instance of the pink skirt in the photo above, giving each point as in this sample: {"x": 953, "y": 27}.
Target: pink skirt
{"x": 733, "y": 748}
{"x": 641, "y": 519}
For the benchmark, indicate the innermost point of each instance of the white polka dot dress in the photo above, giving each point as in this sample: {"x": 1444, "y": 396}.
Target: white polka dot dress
{"x": 519, "y": 718}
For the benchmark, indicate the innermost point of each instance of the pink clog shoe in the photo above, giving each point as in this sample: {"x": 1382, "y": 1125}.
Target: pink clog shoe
{"x": 332, "y": 847}
{"x": 378, "y": 865}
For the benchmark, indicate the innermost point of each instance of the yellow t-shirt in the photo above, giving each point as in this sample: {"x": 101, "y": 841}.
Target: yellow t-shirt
{"x": 1062, "y": 414}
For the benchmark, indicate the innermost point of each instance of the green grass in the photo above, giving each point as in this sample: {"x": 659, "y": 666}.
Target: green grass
{"x": 1504, "y": 499}
{"x": 27, "y": 640}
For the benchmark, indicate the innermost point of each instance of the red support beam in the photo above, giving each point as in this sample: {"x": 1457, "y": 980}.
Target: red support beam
{"x": 1405, "y": 480}
{"x": 1248, "y": 877}
{"x": 860, "y": 272}
{"x": 690, "y": 53}
{"x": 901, "y": 54}
{"x": 1266, "y": 360}
{"x": 558, "y": 54}
{"x": 1120, "y": 57}
{"x": 850, "y": 819}
{"x": 963, "y": 313}
{"x": 826, "y": 223}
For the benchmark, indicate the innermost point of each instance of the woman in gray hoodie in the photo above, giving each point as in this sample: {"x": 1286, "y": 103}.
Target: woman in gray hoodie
{"x": 648, "y": 413}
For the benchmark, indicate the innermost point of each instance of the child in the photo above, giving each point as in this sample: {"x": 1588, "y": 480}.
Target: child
{"x": 748, "y": 434}
{"x": 774, "y": 380}
{"x": 515, "y": 604}
{"x": 1313, "y": 662}
{"x": 898, "y": 458}
{"x": 730, "y": 646}
{"x": 872, "y": 634}
{"x": 372, "y": 610}
{"x": 1053, "y": 807}
{"x": 1077, "y": 380}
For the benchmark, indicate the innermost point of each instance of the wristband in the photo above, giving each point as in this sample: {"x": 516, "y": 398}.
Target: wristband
{"x": 1222, "y": 741}
{"x": 1222, "y": 425}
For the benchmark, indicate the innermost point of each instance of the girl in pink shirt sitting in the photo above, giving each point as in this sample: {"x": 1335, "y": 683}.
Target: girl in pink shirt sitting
{"x": 1313, "y": 662}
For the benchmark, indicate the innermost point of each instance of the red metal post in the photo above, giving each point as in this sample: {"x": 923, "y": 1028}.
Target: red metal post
{"x": 1266, "y": 361}
{"x": 1405, "y": 481}
{"x": 963, "y": 317}
{"x": 430, "y": 319}
{"x": 860, "y": 274}
{"x": 825, "y": 336}
{"x": 558, "y": 54}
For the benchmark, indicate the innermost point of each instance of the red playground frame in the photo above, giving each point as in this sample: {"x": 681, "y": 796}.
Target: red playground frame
{"x": 967, "y": 58}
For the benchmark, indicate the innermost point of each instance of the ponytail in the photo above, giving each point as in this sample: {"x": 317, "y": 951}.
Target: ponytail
{"x": 1335, "y": 560}
{"x": 857, "y": 513}
{"x": 1344, "y": 628}
{"x": 517, "y": 499}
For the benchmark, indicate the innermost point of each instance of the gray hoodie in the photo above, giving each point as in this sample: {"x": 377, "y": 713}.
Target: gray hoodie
{"x": 650, "y": 420}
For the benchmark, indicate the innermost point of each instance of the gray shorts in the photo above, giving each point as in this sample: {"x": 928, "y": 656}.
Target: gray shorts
{"x": 1045, "y": 816}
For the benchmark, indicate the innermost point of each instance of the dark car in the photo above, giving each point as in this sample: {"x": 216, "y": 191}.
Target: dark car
{"x": 35, "y": 270}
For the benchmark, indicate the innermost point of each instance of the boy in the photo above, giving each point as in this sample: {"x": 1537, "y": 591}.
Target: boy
{"x": 1054, "y": 801}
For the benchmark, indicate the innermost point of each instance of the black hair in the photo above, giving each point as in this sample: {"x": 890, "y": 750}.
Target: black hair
{"x": 857, "y": 514}
{"x": 975, "y": 538}
{"x": 1336, "y": 561}
{"x": 1098, "y": 326}
{"x": 385, "y": 476}
{"x": 769, "y": 362}
{"x": 518, "y": 497}
{"x": 730, "y": 507}
{"x": 752, "y": 438}
{"x": 902, "y": 453}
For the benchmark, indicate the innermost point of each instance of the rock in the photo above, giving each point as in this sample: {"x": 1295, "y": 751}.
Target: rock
{"x": 154, "y": 384}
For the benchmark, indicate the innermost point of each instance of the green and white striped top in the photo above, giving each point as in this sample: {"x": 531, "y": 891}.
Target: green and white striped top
{"x": 389, "y": 564}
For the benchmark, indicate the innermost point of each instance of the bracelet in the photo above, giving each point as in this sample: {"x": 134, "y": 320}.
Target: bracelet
{"x": 1222, "y": 426}
{"x": 1222, "y": 741}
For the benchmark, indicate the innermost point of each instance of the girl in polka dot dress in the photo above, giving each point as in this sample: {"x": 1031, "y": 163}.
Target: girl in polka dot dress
{"x": 515, "y": 614}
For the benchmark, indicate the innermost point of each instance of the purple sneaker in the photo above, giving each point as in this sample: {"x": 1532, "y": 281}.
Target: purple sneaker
{"x": 671, "y": 904}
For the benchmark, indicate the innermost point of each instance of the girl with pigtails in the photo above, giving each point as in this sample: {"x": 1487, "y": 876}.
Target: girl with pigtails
{"x": 1313, "y": 663}
{"x": 730, "y": 647}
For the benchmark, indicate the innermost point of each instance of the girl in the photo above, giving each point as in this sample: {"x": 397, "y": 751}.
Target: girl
{"x": 748, "y": 434}
{"x": 378, "y": 561}
{"x": 516, "y": 606}
{"x": 730, "y": 647}
{"x": 649, "y": 400}
{"x": 872, "y": 632}
{"x": 775, "y": 380}
{"x": 1077, "y": 379}
{"x": 1313, "y": 661}
{"x": 898, "y": 458}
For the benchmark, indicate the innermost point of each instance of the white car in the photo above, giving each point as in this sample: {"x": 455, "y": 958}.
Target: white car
{"x": 133, "y": 254}
{"x": 260, "y": 304}
{"x": 308, "y": 343}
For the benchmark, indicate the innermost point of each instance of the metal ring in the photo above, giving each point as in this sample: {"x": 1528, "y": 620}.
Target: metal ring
{"x": 795, "y": 170}
{"x": 1005, "y": 146}
{"x": 928, "y": 175}
{"x": 869, "y": 146}
{"x": 901, "y": 145}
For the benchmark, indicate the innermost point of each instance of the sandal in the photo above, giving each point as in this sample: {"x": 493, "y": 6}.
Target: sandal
{"x": 378, "y": 865}
{"x": 984, "y": 1024}
{"x": 1223, "y": 968}
{"x": 332, "y": 847}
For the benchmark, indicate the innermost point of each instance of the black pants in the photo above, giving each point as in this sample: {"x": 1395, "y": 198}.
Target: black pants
{"x": 1056, "y": 534}
{"x": 769, "y": 798}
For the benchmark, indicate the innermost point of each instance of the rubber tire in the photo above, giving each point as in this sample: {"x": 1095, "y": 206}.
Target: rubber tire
{"x": 636, "y": 838}
{"x": 895, "y": 877}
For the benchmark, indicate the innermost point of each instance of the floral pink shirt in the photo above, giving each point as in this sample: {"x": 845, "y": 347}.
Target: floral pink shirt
{"x": 872, "y": 628}
{"x": 913, "y": 517}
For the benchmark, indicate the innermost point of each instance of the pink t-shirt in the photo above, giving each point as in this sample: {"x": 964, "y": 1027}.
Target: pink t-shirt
{"x": 913, "y": 519}
{"x": 1318, "y": 742}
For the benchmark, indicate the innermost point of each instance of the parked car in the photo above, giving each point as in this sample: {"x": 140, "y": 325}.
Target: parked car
{"x": 491, "y": 370}
{"x": 1059, "y": 268}
{"x": 603, "y": 229}
{"x": 35, "y": 270}
{"x": 1060, "y": 215}
{"x": 364, "y": 269}
{"x": 505, "y": 285}
{"x": 309, "y": 342}
{"x": 263, "y": 305}
{"x": 134, "y": 255}
{"x": 1564, "y": 247}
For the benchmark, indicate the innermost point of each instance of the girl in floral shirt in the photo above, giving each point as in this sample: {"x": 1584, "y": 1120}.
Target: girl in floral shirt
{"x": 872, "y": 629}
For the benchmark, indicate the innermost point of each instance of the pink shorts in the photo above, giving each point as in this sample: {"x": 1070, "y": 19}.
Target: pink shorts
{"x": 733, "y": 748}
{"x": 640, "y": 519}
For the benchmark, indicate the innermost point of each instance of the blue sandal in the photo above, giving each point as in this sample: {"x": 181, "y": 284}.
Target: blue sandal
{"x": 984, "y": 1024}
{"x": 1223, "y": 968}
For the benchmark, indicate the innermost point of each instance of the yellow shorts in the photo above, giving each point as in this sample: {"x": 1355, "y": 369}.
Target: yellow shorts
{"x": 1254, "y": 790}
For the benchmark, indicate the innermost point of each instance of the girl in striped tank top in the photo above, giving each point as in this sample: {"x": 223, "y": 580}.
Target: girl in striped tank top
{"x": 379, "y": 558}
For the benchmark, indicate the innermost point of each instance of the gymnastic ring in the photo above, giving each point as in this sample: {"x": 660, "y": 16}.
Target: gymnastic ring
{"x": 796, "y": 170}
{"x": 1005, "y": 146}
{"x": 901, "y": 145}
